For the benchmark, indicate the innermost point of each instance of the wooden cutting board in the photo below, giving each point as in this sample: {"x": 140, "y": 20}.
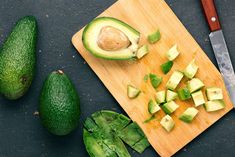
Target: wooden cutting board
{"x": 147, "y": 16}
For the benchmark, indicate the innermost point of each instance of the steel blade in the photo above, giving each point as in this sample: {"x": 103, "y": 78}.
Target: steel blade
{"x": 224, "y": 62}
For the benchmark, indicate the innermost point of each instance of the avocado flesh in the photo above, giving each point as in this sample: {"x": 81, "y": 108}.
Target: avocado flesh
{"x": 18, "y": 59}
{"x": 59, "y": 105}
{"x": 112, "y": 127}
{"x": 91, "y": 34}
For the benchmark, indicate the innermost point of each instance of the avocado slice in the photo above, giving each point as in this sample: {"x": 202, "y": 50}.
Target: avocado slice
{"x": 166, "y": 67}
{"x": 173, "y": 53}
{"x": 170, "y": 95}
{"x": 154, "y": 37}
{"x": 104, "y": 131}
{"x": 142, "y": 51}
{"x": 184, "y": 94}
{"x": 174, "y": 80}
{"x": 160, "y": 96}
{"x": 214, "y": 105}
{"x": 191, "y": 69}
{"x": 194, "y": 85}
{"x": 198, "y": 98}
{"x": 167, "y": 123}
{"x": 132, "y": 92}
{"x": 153, "y": 107}
{"x": 214, "y": 93}
{"x": 155, "y": 80}
{"x": 110, "y": 38}
{"x": 188, "y": 114}
{"x": 169, "y": 107}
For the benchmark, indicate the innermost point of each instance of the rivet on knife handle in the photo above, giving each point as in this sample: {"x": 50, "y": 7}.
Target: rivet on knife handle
{"x": 211, "y": 14}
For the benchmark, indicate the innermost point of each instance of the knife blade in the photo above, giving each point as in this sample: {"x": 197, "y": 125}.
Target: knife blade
{"x": 219, "y": 47}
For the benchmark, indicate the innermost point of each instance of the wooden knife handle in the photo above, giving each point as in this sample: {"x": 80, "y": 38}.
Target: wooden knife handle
{"x": 211, "y": 14}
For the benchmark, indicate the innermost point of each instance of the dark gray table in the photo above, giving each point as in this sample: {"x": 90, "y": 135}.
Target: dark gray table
{"x": 22, "y": 135}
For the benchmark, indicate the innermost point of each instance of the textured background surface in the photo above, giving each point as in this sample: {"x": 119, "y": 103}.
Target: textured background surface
{"x": 21, "y": 134}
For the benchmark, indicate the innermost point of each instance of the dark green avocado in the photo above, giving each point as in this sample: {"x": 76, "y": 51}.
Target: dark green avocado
{"x": 59, "y": 107}
{"x": 18, "y": 59}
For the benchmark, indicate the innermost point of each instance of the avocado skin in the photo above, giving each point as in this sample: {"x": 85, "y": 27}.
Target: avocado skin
{"x": 18, "y": 59}
{"x": 59, "y": 107}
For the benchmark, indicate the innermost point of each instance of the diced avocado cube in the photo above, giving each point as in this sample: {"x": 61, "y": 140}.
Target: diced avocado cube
{"x": 188, "y": 114}
{"x": 170, "y": 95}
{"x": 160, "y": 96}
{"x": 153, "y": 107}
{"x": 146, "y": 77}
{"x": 191, "y": 70}
{"x": 184, "y": 94}
{"x": 214, "y": 93}
{"x": 173, "y": 53}
{"x": 167, "y": 123}
{"x": 194, "y": 85}
{"x": 198, "y": 98}
{"x": 149, "y": 119}
{"x": 169, "y": 107}
{"x": 174, "y": 80}
{"x": 166, "y": 67}
{"x": 142, "y": 51}
{"x": 154, "y": 37}
{"x": 214, "y": 105}
{"x": 132, "y": 92}
{"x": 155, "y": 80}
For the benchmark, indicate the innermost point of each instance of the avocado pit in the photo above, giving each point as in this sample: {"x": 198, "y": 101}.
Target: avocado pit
{"x": 112, "y": 39}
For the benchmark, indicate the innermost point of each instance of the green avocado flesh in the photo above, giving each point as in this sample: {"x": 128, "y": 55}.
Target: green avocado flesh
{"x": 18, "y": 59}
{"x": 105, "y": 131}
{"x": 92, "y": 31}
{"x": 155, "y": 80}
{"x": 166, "y": 67}
{"x": 59, "y": 107}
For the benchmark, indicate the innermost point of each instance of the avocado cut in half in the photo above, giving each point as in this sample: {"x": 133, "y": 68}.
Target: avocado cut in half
{"x": 166, "y": 67}
{"x": 154, "y": 37}
{"x": 184, "y": 94}
{"x": 160, "y": 97}
{"x": 214, "y": 105}
{"x": 18, "y": 59}
{"x": 191, "y": 69}
{"x": 169, "y": 107}
{"x": 108, "y": 130}
{"x": 155, "y": 80}
{"x": 167, "y": 123}
{"x": 142, "y": 51}
{"x": 110, "y": 38}
{"x": 59, "y": 106}
{"x": 132, "y": 92}
{"x": 214, "y": 93}
{"x": 172, "y": 53}
{"x": 174, "y": 80}
{"x": 194, "y": 85}
{"x": 153, "y": 107}
{"x": 170, "y": 95}
{"x": 198, "y": 98}
{"x": 188, "y": 115}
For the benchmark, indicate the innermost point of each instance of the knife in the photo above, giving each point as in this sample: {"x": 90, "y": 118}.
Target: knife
{"x": 220, "y": 48}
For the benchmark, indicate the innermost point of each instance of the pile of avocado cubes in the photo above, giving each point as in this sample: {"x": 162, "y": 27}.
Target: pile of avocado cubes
{"x": 165, "y": 98}
{"x": 104, "y": 132}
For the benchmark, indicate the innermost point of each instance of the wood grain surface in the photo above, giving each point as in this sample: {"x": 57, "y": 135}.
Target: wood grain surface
{"x": 147, "y": 16}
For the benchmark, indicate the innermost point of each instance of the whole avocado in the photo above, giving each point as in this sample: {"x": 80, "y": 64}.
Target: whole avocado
{"x": 59, "y": 107}
{"x": 18, "y": 59}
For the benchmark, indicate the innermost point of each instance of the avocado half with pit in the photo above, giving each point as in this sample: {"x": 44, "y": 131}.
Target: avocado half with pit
{"x": 110, "y": 38}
